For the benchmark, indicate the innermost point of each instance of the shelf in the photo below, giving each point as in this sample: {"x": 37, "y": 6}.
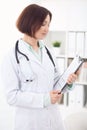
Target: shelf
{"x": 73, "y": 43}
{"x": 61, "y": 56}
{"x": 81, "y": 83}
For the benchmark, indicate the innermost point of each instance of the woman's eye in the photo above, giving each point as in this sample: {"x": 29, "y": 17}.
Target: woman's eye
{"x": 43, "y": 24}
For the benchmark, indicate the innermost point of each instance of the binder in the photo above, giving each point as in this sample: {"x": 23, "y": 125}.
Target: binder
{"x": 73, "y": 67}
{"x": 77, "y": 96}
{"x": 80, "y": 41}
{"x": 85, "y": 55}
{"x": 71, "y": 43}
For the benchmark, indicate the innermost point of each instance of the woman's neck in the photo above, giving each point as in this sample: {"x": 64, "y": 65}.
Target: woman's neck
{"x": 31, "y": 41}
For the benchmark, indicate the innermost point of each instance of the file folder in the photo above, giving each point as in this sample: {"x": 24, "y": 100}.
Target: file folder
{"x": 73, "y": 67}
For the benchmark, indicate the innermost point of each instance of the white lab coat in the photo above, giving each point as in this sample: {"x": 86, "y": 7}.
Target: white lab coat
{"x": 28, "y": 96}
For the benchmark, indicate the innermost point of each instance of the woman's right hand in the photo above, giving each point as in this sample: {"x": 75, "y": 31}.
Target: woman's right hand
{"x": 55, "y": 96}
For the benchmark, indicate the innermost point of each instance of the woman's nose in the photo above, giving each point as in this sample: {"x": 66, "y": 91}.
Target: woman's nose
{"x": 47, "y": 28}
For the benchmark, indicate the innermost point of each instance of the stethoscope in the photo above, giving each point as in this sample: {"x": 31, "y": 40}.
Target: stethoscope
{"x": 27, "y": 77}
{"x": 18, "y": 51}
{"x": 18, "y": 62}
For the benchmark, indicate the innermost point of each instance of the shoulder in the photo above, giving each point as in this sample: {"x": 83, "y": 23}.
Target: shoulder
{"x": 8, "y": 57}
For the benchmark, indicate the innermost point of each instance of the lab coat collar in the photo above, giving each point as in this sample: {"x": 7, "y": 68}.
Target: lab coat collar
{"x": 24, "y": 49}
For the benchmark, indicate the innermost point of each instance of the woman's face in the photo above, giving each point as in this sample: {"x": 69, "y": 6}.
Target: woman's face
{"x": 42, "y": 32}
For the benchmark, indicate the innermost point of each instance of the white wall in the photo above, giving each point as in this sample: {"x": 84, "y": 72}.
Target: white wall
{"x": 9, "y": 11}
{"x": 67, "y": 14}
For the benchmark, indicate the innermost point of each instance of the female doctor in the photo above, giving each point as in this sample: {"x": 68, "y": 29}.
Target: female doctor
{"x": 29, "y": 74}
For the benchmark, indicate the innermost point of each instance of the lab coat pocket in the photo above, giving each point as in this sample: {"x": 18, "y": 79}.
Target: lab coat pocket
{"x": 27, "y": 76}
{"x": 28, "y": 85}
{"x": 28, "y": 82}
{"x": 26, "y": 70}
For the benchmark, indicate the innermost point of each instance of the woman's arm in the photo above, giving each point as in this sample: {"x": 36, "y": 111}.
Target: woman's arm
{"x": 11, "y": 83}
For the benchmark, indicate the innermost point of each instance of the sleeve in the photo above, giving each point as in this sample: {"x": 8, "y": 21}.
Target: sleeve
{"x": 47, "y": 100}
{"x": 70, "y": 87}
{"x": 11, "y": 84}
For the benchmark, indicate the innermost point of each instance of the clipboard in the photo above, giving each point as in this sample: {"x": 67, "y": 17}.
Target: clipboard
{"x": 73, "y": 67}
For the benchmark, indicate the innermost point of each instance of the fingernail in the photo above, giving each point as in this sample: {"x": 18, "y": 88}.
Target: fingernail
{"x": 59, "y": 92}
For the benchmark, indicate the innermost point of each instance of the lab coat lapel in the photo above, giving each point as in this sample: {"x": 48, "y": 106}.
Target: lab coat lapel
{"x": 23, "y": 48}
{"x": 46, "y": 61}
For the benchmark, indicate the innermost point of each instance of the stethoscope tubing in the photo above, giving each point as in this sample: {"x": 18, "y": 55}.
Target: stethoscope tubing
{"x": 16, "y": 54}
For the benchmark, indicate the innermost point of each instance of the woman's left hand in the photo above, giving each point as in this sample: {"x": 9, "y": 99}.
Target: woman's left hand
{"x": 72, "y": 77}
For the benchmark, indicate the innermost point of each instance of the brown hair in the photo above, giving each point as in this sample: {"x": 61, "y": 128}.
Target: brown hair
{"x": 31, "y": 19}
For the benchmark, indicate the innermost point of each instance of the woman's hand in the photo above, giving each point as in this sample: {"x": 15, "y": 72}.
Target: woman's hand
{"x": 55, "y": 96}
{"x": 72, "y": 77}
